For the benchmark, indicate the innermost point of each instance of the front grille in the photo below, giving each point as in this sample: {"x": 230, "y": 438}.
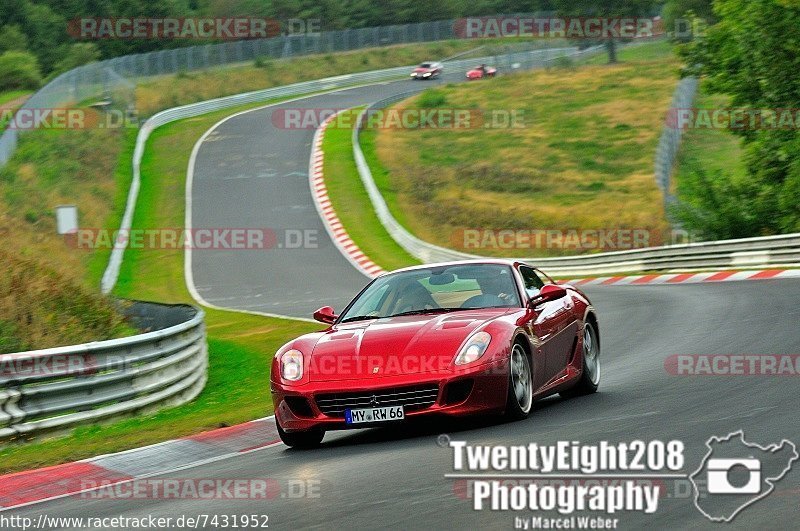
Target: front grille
{"x": 412, "y": 398}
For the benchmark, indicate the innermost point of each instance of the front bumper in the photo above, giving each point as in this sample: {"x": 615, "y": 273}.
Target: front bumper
{"x": 482, "y": 389}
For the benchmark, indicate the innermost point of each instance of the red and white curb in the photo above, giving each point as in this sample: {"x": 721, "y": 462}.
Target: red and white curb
{"x": 333, "y": 226}
{"x": 685, "y": 278}
{"x": 33, "y": 486}
{"x": 362, "y": 262}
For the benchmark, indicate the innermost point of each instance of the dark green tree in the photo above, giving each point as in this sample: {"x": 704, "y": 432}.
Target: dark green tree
{"x": 676, "y": 13}
{"x": 753, "y": 55}
{"x": 19, "y": 70}
{"x": 610, "y": 9}
{"x": 12, "y": 38}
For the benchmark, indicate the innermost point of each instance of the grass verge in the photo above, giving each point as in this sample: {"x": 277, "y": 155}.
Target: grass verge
{"x": 352, "y": 204}
{"x": 157, "y": 93}
{"x": 241, "y": 346}
{"x": 13, "y": 96}
{"x": 61, "y": 306}
{"x": 582, "y": 160}
{"x": 714, "y": 150}
{"x": 9, "y": 103}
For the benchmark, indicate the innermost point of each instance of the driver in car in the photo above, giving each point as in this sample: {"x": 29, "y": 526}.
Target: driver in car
{"x": 495, "y": 291}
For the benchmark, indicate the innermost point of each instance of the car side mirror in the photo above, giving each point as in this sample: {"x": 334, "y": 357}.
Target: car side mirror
{"x": 548, "y": 293}
{"x": 325, "y": 315}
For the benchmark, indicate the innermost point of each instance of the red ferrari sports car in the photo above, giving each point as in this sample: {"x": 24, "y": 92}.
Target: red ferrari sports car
{"x": 482, "y": 71}
{"x": 462, "y": 338}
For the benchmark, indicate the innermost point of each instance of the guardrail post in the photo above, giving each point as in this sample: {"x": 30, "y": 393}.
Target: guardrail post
{"x": 10, "y": 412}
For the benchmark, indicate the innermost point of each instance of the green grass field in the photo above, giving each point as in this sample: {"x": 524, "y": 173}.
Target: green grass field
{"x": 13, "y": 95}
{"x": 241, "y": 346}
{"x": 154, "y": 94}
{"x": 352, "y": 203}
{"x": 10, "y": 101}
{"x": 582, "y": 160}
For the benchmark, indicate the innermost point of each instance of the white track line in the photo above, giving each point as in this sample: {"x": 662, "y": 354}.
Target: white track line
{"x": 187, "y": 263}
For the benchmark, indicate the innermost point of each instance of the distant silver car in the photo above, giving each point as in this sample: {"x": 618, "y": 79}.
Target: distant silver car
{"x": 427, "y": 70}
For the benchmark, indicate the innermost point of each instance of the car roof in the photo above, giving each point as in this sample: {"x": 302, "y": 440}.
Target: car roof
{"x": 479, "y": 261}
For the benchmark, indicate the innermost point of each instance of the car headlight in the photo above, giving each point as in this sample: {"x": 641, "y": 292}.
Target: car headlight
{"x": 292, "y": 365}
{"x": 426, "y": 74}
{"x": 474, "y": 348}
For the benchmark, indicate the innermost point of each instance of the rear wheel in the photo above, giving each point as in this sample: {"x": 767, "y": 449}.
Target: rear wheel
{"x": 590, "y": 378}
{"x": 520, "y": 384}
{"x": 301, "y": 439}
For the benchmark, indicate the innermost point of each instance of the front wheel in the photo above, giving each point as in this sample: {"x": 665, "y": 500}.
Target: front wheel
{"x": 590, "y": 377}
{"x": 520, "y": 384}
{"x": 303, "y": 440}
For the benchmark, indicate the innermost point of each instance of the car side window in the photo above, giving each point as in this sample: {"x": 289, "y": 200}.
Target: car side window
{"x": 532, "y": 281}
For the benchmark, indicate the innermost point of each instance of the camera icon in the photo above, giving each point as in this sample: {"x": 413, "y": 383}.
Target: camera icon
{"x": 719, "y": 476}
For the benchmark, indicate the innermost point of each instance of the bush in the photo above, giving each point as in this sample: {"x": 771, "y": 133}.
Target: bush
{"x": 78, "y": 54}
{"x": 719, "y": 207}
{"x": 263, "y": 62}
{"x": 432, "y": 98}
{"x": 19, "y": 70}
{"x": 563, "y": 62}
{"x": 12, "y": 38}
{"x": 42, "y": 309}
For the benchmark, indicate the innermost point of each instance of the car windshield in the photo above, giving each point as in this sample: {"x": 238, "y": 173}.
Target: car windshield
{"x": 435, "y": 290}
{"x": 425, "y": 65}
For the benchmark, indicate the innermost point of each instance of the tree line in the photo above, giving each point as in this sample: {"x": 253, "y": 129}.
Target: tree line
{"x": 36, "y": 32}
{"x": 751, "y": 54}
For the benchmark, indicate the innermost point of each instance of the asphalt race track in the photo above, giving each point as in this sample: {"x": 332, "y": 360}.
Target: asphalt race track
{"x": 248, "y": 175}
{"x": 393, "y": 478}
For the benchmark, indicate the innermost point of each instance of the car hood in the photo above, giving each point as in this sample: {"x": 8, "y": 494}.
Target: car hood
{"x": 395, "y": 346}
{"x": 422, "y": 70}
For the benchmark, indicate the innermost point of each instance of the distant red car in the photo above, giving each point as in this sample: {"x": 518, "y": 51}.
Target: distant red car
{"x": 479, "y": 72}
{"x": 427, "y": 70}
{"x": 463, "y": 338}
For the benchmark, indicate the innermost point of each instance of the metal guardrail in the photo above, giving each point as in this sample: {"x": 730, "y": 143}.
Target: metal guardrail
{"x": 116, "y": 78}
{"x": 749, "y": 253}
{"x": 772, "y": 251}
{"x": 529, "y": 59}
{"x": 59, "y": 388}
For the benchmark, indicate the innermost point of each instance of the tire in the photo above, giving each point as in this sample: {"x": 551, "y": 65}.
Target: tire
{"x": 520, "y": 384}
{"x": 590, "y": 376}
{"x": 303, "y": 440}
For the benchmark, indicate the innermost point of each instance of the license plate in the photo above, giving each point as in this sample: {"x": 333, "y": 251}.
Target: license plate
{"x": 374, "y": 414}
